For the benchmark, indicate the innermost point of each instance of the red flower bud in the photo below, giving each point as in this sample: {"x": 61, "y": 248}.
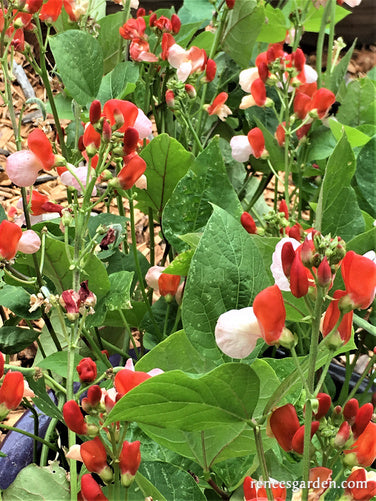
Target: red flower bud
{"x": 343, "y": 435}
{"x": 296, "y": 232}
{"x": 230, "y": 4}
{"x": 94, "y": 456}
{"x": 350, "y": 410}
{"x": 95, "y": 111}
{"x": 263, "y": 70}
{"x": 283, "y": 208}
{"x": 140, "y": 12}
{"x": 363, "y": 417}
{"x": 170, "y": 98}
{"x": 324, "y": 273}
{"x": 210, "y": 71}
{"x": 258, "y": 91}
{"x": 129, "y": 461}
{"x": 134, "y": 167}
{"x": 280, "y": 134}
{"x": 94, "y": 394}
{"x": 87, "y": 370}
{"x": 152, "y": 19}
{"x": 270, "y": 312}
{"x": 257, "y": 142}
{"x": 248, "y": 223}
{"x": 106, "y": 132}
{"x": 190, "y": 90}
{"x": 325, "y": 402}
{"x": 73, "y": 417}
{"x": 131, "y": 138}
{"x": 307, "y": 252}
{"x": 175, "y": 23}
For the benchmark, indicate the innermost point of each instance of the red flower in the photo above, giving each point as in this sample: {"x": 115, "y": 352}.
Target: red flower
{"x": 298, "y": 439}
{"x": 280, "y": 134}
{"x": 322, "y": 100}
{"x": 95, "y": 111}
{"x": 10, "y": 235}
{"x": 301, "y": 105}
{"x": 139, "y": 50}
{"x": 298, "y": 277}
{"x": 91, "y": 139}
{"x": 269, "y": 309}
{"x": 11, "y": 391}
{"x": 253, "y": 493}
{"x": 168, "y": 284}
{"x": 210, "y": 71}
{"x": 87, "y": 370}
{"x": 359, "y": 276}
{"x": 363, "y": 417}
{"x": 218, "y": 106}
{"x": 350, "y": 410}
{"x": 363, "y": 450}
{"x": 257, "y": 142}
{"x": 126, "y": 380}
{"x": 73, "y": 418}
{"x": 133, "y": 28}
{"x": 358, "y": 487}
{"x": 131, "y": 138}
{"x": 248, "y": 223}
{"x": 50, "y": 11}
{"x": 332, "y": 316}
{"x": 175, "y": 24}
{"x": 40, "y": 145}
{"x": 287, "y": 258}
{"x": 94, "y": 456}
{"x": 134, "y": 167}
{"x": 94, "y": 395}
{"x": 167, "y": 42}
{"x": 324, "y": 405}
{"x": 258, "y": 92}
{"x": 230, "y": 4}
{"x": 129, "y": 461}
{"x": 121, "y": 114}
{"x": 284, "y": 423}
{"x": 40, "y": 204}
{"x": 90, "y": 490}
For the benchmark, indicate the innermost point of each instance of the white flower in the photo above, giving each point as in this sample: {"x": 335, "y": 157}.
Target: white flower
{"x": 240, "y": 148}
{"x": 237, "y": 332}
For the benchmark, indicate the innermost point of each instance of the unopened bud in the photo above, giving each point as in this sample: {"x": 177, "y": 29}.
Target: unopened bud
{"x": 106, "y": 132}
{"x": 287, "y": 339}
{"x": 175, "y": 23}
{"x": 95, "y": 111}
{"x": 190, "y": 90}
{"x": 324, "y": 273}
{"x": 230, "y": 4}
{"x": 170, "y": 98}
{"x": 342, "y": 436}
{"x": 211, "y": 69}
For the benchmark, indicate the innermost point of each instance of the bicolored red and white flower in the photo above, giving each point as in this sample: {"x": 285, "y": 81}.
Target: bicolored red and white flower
{"x": 128, "y": 378}
{"x": 139, "y": 51}
{"x": 77, "y": 178}
{"x": 13, "y": 239}
{"x": 251, "y": 144}
{"x": 133, "y": 28}
{"x": 320, "y": 478}
{"x": 218, "y": 106}
{"x": 363, "y": 451}
{"x": 360, "y": 485}
{"x": 186, "y": 62}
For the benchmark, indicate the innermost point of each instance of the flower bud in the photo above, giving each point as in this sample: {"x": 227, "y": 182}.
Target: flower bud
{"x": 298, "y": 438}
{"x": 131, "y": 138}
{"x": 90, "y": 490}
{"x": 324, "y": 273}
{"x": 87, "y": 370}
{"x": 230, "y": 4}
{"x": 350, "y": 410}
{"x": 298, "y": 278}
{"x": 325, "y": 402}
{"x": 95, "y": 111}
{"x": 175, "y": 23}
{"x": 283, "y": 208}
{"x": 210, "y": 71}
{"x": 248, "y": 223}
{"x": 342, "y": 436}
{"x": 190, "y": 90}
{"x": 73, "y": 418}
{"x": 170, "y": 98}
{"x": 129, "y": 461}
{"x": 307, "y": 252}
{"x": 11, "y": 392}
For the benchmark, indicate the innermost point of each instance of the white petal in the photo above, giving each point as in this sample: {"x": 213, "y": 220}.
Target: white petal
{"x": 177, "y": 55}
{"x": 237, "y": 332}
{"x": 247, "y": 77}
{"x": 310, "y": 74}
{"x": 247, "y": 102}
{"x": 240, "y": 148}
{"x": 143, "y": 125}
{"x": 276, "y": 267}
{"x": 29, "y": 242}
{"x": 184, "y": 71}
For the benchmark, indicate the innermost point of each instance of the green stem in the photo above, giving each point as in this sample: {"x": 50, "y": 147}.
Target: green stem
{"x": 50, "y": 430}
{"x": 320, "y": 43}
{"x": 262, "y": 460}
{"x": 323, "y": 374}
{"x": 329, "y": 61}
{"x": 151, "y": 236}
{"x": 299, "y": 369}
{"x": 362, "y": 377}
{"x": 360, "y": 322}
{"x": 31, "y": 435}
{"x": 70, "y": 396}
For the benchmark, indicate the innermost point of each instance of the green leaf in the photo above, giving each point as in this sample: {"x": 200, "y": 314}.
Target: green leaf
{"x": 245, "y": 21}
{"x": 338, "y": 208}
{"x": 196, "y": 10}
{"x": 56, "y": 268}
{"x": 42, "y": 399}
{"x": 167, "y": 162}
{"x": 146, "y": 487}
{"x": 339, "y": 71}
{"x": 354, "y": 136}
{"x": 110, "y": 40}
{"x": 203, "y": 40}
{"x": 322, "y": 144}
{"x": 58, "y": 362}
{"x": 225, "y": 396}
{"x": 227, "y": 271}
{"x": 14, "y": 339}
{"x": 175, "y": 352}
{"x": 359, "y": 104}
{"x": 188, "y": 208}
{"x": 79, "y": 61}
{"x": 18, "y": 301}
{"x": 118, "y": 297}
{"x": 363, "y": 243}
{"x": 172, "y": 482}
{"x": 365, "y": 175}
{"x": 271, "y": 145}
{"x": 120, "y": 82}
{"x": 186, "y": 33}
{"x": 39, "y": 484}
{"x": 180, "y": 265}
{"x": 314, "y": 16}
{"x": 274, "y": 28}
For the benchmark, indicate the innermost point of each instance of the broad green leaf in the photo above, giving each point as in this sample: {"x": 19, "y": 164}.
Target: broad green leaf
{"x": 18, "y": 301}
{"x": 338, "y": 209}
{"x": 180, "y": 265}
{"x": 172, "y": 482}
{"x": 56, "y": 268}
{"x": 142, "y": 484}
{"x": 120, "y": 82}
{"x": 196, "y": 10}
{"x": 110, "y": 40}
{"x": 204, "y": 41}
{"x": 58, "y": 362}
{"x": 354, "y": 136}
{"x": 274, "y": 28}
{"x": 167, "y": 162}
{"x": 118, "y": 297}
{"x": 339, "y": 71}
{"x": 273, "y": 148}
{"x": 188, "y": 208}
{"x": 359, "y": 104}
{"x": 187, "y": 31}
{"x": 365, "y": 175}
{"x": 154, "y": 330}
{"x": 174, "y": 400}
{"x": 14, "y": 339}
{"x": 226, "y": 272}
{"x": 363, "y": 243}
{"x": 39, "y": 484}
{"x": 245, "y": 21}
{"x": 175, "y": 352}
{"x": 79, "y": 60}
{"x": 322, "y": 144}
